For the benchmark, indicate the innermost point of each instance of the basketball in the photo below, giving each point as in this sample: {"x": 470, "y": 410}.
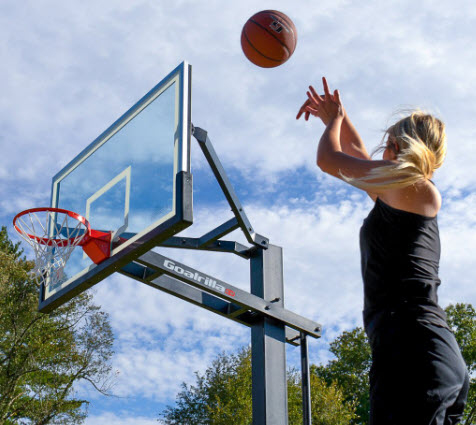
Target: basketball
{"x": 268, "y": 38}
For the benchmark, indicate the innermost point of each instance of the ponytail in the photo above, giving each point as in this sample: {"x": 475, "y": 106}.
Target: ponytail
{"x": 421, "y": 141}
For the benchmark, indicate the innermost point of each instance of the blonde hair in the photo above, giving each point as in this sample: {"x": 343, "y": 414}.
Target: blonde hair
{"x": 421, "y": 141}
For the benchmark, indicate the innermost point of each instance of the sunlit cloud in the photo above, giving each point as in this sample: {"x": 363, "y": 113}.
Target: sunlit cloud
{"x": 68, "y": 74}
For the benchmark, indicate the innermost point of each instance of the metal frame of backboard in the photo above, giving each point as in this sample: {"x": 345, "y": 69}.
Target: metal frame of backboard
{"x": 178, "y": 219}
{"x": 261, "y": 309}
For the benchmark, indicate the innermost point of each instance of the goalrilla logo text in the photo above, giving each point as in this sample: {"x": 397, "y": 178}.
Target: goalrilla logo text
{"x": 204, "y": 280}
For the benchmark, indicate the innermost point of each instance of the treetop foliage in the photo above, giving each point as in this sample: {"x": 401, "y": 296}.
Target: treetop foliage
{"x": 340, "y": 388}
{"x": 222, "y": 396}
{"x": 42, "y": 356}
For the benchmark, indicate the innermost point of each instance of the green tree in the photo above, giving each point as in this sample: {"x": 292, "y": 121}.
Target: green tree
{"x": 462, "y": 320}
{"x": 350, "y": 370}
{"x": 43, "y": 356}
{"x": 222, "y": 396}
{"x": 340, "y": 389}
{"x": 328, "y": 404}
{"x": 351, "y": 366}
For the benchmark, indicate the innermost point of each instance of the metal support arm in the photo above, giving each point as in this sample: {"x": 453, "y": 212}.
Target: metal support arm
{"x": 227, "y": 188}
{"x": 199, "y": 298}
{"x": 267, "y": 308}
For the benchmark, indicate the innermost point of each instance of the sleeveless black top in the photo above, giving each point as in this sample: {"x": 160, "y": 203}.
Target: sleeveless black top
{"x": 400, "y": 254}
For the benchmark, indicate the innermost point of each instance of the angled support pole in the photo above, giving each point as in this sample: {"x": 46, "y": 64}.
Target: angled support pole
{"x": 227, "y": 188}
{"x": 219, "y": 232}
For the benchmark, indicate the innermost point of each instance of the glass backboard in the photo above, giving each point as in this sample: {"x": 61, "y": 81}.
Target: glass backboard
{"x": 133, "y": 180}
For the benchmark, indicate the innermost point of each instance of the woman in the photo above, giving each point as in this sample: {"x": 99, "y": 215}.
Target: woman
{"x": 418, "y": 375}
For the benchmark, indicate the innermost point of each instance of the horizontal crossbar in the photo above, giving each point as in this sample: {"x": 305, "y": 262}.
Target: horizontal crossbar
{"x": 250, "y": 304}
{"x": 199, "y": 298}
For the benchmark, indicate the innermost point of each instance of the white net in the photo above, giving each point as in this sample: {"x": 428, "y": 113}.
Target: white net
{"x": 53, "y": 235}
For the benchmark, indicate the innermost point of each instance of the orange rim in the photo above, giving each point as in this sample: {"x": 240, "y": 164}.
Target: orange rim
{"x": 52, "y": 241}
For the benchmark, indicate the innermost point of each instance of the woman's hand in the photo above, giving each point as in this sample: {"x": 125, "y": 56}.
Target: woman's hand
{"x": 325, "y": 107}
{"x": 303, "y": 110}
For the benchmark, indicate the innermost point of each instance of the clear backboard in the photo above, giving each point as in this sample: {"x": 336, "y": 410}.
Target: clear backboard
{"x": 133, "y": 180}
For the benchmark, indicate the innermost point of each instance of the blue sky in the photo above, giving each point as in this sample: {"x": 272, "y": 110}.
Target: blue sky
{"x": 69, "y": 71}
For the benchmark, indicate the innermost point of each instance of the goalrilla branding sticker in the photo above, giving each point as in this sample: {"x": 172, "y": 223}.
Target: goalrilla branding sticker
{"x": 204, "y": 280}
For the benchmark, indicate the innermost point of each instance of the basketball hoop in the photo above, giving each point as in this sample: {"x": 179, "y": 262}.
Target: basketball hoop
{"x": 53, "y": 233}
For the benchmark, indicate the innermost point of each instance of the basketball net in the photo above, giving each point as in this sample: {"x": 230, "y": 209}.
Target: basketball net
{"x": 53, "y": 234}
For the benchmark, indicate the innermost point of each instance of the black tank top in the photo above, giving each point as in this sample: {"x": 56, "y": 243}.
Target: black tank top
{"x": 400, "y": 254}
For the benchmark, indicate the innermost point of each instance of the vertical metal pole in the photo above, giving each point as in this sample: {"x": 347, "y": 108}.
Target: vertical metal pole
{"x": 268, "y": 351}
{"x": 305, "y": 381}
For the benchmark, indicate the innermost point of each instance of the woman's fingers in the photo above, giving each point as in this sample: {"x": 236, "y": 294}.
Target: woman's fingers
{"x": 312, "y": 111}
{"x": 303, "y": 108}
{"x": 338, "y": 99}
{"x": 317, "y": 104}
{"x": 314, "y": 99}
{"x": 337, "y": 96}
{"x": 339, "y": 102}
{"x": 327, "y": 93}
{"x": 301, "y": 111}
{"x": 315, "y": 96}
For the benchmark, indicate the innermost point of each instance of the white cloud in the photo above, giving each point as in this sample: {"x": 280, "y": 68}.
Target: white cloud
{"x": 458, "y": 237}
{"x": 111, "y": 418}
{"x": 250, "y": 111}
{"x": 68, "y": 73}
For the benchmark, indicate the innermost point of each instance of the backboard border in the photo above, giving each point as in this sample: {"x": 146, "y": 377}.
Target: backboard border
{"x": 181, "y": 216}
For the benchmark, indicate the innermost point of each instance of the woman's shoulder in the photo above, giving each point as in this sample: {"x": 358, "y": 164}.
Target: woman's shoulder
{"x": 422, "y": 198}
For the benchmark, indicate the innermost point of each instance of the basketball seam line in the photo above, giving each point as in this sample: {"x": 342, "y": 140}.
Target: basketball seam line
{"x": 257, "y": 51}
{"x": 272, "y": 35}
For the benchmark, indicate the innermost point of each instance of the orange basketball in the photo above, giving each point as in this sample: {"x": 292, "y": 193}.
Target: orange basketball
{"x": 268, "y": 38}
